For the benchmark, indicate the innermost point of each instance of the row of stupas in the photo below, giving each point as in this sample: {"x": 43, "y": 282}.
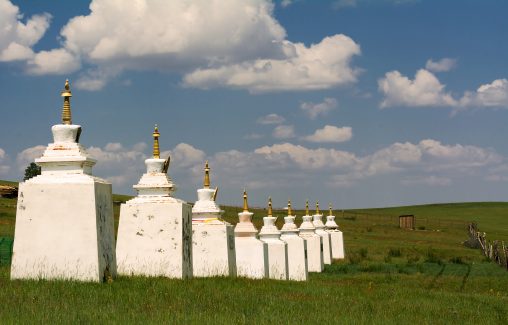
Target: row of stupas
{"x": 65, "y": 226}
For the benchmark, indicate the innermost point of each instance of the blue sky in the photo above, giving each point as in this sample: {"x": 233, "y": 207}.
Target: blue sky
{"x": 361, "y": 103}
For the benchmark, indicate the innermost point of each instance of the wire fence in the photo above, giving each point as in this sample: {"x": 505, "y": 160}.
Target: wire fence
{"x": 496, "y": 251}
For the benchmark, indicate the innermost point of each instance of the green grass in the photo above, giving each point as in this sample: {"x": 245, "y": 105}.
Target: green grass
{"x": 390, "y": 275}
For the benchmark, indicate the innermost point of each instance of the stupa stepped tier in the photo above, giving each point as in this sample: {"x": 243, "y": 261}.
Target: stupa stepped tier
{"x": 297, "y": 255}
{"x": 320, "y": 230}
{"x": 64, "y": 218}
{"x": 154, "y": 232}
{"x": 336, "y": 236}
{"x": 213, "y": 240}
{"x": 314, "y": 242}
{"x": 276, "y": 248}
{"x": 251, "y": 253}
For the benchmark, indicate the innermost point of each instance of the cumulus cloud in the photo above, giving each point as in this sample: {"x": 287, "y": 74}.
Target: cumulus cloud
{"x": 16, "y": 37}
{"x": 425, "y": 90}
{"x": 320, "y": 66}
{"x": 284, "y": 132}
{"x": 331, "y": 133}
{"x": 57, "y": 61}
{"x": 313, "y": 110}
{"x": 431, "y": 180}
{"x": 27, "y": 156}
{"x": 285, "y": 3}
{"x": 4, "y": 167}
{"x": 271, "y": 119}
{"x": 445, "y": 64}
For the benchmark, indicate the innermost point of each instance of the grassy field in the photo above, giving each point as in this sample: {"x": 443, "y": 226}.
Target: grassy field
{"x": 390, "y": 276}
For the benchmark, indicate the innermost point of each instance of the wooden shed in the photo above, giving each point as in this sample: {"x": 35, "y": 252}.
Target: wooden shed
{"x": 407, "y": 221}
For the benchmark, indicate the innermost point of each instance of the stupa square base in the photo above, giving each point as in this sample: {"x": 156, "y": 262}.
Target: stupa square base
{"x": 337, "y": 243}
{"x": 251, "y": 258}
{"x": 213, "y": 250}
{"x": 277, "y": 259}
{"x": 64, "y": 229}
{"x": 154, "y": 238}
{"x": 297, "y": 259}
{"x": 327, "y": 248}
{"x": 315, "y": 261}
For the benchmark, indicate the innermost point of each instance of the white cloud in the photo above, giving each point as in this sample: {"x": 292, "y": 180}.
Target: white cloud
{"x": 285, "y": 3}
{"x": 330, "y": 133}
{"x": 271, "y": 119}
{"x": 4, "y": 167}
{"x": 431, "y": 180}
{"x": 16, "y": 37}
{"x": 494, "y": 94}
{"x": 313, "y": 110}
{"x": 284, "y": 132}
{"x": 27, "y": 156}
{"x": 253, "y": 136}
{"x": 57, "y": 61}
{"x": 185, "y": 155}
{"x": 424, "y": 90}
{"x": 320, "y": 66}
{"x": 445, "y": 64}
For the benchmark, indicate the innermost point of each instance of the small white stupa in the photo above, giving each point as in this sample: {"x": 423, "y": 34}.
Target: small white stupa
{"x": 314, "y": 243}
{"x": 320, "y": 230}
{"x": 213, "y": 240}
{"x": 277, "y": 249}
{"x": 64, "y": 218}
{"x": 251, "y": 253}
{"x": 154, "y": 232}
{"x": 336, "y": 237}
{"x": 297, "y": 251}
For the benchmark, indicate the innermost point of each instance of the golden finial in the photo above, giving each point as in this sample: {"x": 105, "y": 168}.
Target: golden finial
{"x": 245, "y": 205}
{"x": 307, "y": 207}
{"x": 156, "y": 150}
{"x": 66, "y": 110}
{"x": 317, "y": 207}
{"x": 206, "y": 182}
{"x": 330, "y": 208}
{"x": 270, "y": 206}
{"x": 290, "y": 212}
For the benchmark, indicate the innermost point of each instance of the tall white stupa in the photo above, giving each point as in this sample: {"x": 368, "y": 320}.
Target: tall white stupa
{"x": 277, "y": 249}
{"x": 314, "y": 242}
{"x": 213, "y": 240}
{"x": 336, "y": 236}
{"x": 297, "y": 250}
{"x": 64, "y": 218}
{"x": 154, "y": 232}
{"x": 251, "y": 253}
{"x": 320, "y": 230}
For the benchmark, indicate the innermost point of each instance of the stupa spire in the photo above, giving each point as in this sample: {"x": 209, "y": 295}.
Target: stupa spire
{"x": 330, "y": 209}
{"x": 66, "y": 110}
{"x": 245, "y": 204}
{"x": 290, "y": 212}
{"x": 317, "y": 207}
{"x": 206, "y": 182}
{"x": 270, "y": 212}
{"x": 156, "y": 150}
{"x": 307, "y": 207}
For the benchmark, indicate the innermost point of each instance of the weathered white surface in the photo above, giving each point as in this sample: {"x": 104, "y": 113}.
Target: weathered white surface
{"x": 64, "y": 218}
{"x": 297, "y": 255}
{"x": 155, "y": 229}
{"x": 213, "y": 250}
{"x": 277, "y": 249}
{"x": 314, "y": 245}
{"x": 320, "y": 230}
{"x": 154, "y": 238}
{"x": 336, "y": 237}
{"x": 251, "y": 253}
{"x": 251, "y": 258}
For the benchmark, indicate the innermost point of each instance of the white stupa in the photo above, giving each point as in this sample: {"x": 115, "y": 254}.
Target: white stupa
{"x": 320, "y": 230}
{"x": 213, "y": 240}
{"x": 336, "y": 237}
{"x": 64, "y": 218}
{"x": 314, "y": 243}
{"x": 277, "y": 249}
{"x": 154, "y": 232}
{"x": 251, "y": 253}
{"x": 297, "y": 251}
